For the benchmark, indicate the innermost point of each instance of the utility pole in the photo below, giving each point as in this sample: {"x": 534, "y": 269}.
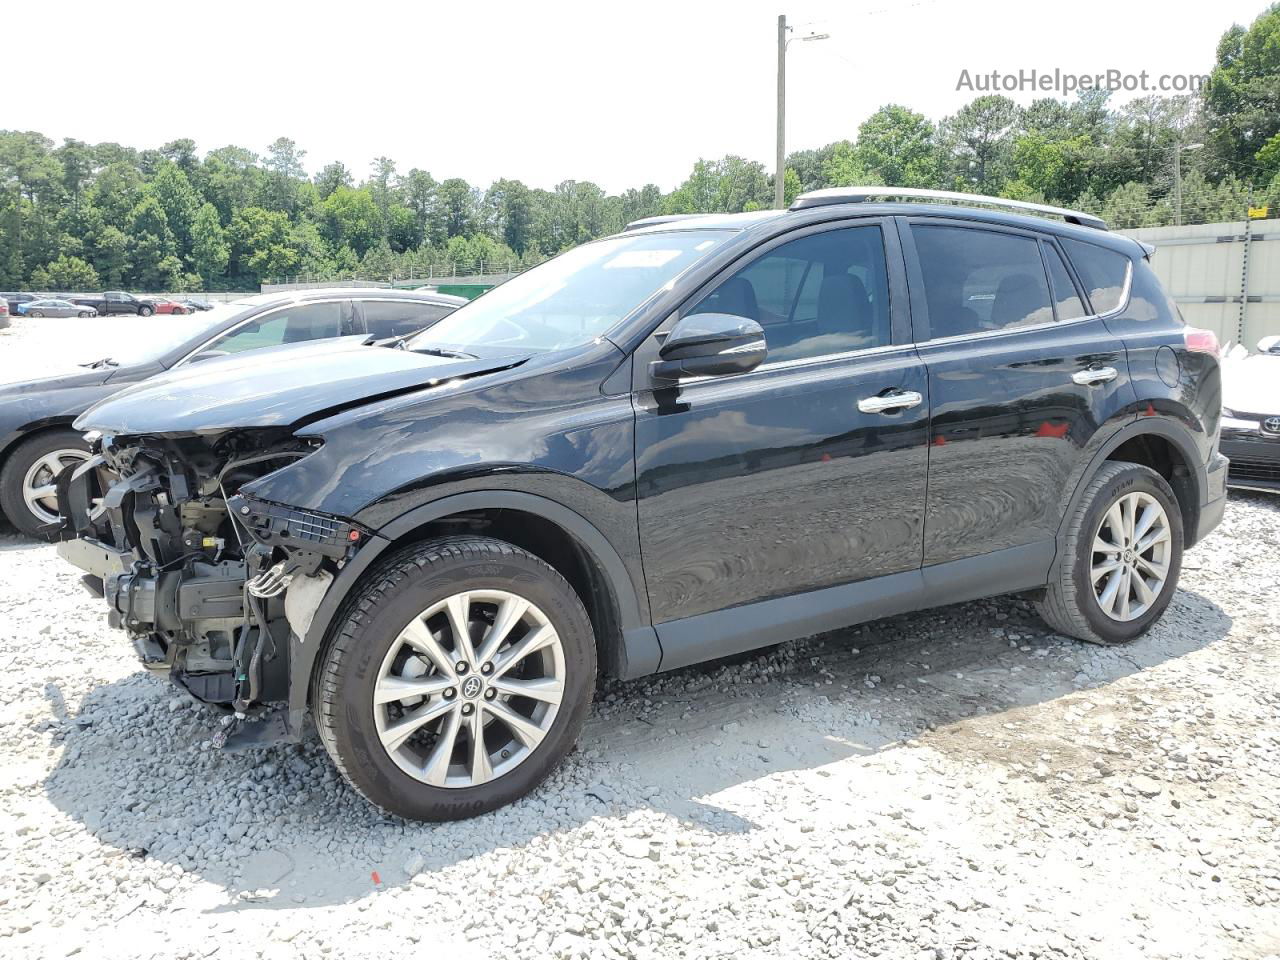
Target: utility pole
{"x": 779, "y": 177}
{"x": 1177, "y": 184}
{"x": 1178, "y": 147}
{"x": 780, "y": 174}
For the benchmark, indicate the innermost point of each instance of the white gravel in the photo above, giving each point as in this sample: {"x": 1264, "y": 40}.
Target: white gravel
{"x": 946, "y": 784}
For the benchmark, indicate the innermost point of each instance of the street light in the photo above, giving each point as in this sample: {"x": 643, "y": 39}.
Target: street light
{"x": 783, "y": 43}
{"x": 1177, "y": 178}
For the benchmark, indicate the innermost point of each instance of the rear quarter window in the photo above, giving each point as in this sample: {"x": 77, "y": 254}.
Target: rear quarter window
{"x": 1104, "y": 273}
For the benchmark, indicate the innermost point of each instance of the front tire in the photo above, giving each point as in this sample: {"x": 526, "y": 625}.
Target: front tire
{"x": 145, "y": 311}
{"x": 35, "y": 313}
{"x": 1122, "y": 557}
{"x": 27, "y": 496}
{"x": 458, "y": 678}
{"x": 83, "y": 314}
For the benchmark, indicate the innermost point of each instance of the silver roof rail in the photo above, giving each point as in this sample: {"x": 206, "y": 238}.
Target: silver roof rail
{"x": 832, "y": 195}
{"x": 654, "y": 221}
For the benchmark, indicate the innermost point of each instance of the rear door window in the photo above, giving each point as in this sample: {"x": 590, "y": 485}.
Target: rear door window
{"x": 978, "y": 281}
{"x": 1104, "y": 273}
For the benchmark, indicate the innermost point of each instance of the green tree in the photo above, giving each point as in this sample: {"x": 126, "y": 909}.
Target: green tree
{"x": 66, "y": 273}
{"x": 261, "y": 245}
{"x": 980, "y": 137}
{"x": 1243, "y": 94}
{"x": 333, "y": 176}
{"x": 349, "y": 217}
{"x": 179, "y": 201}
{"x": 453, "y": 214}
{"x": 209, "y": 250}
{"x": 896, "y": 146}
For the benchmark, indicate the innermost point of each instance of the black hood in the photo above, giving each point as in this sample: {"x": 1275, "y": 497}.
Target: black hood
{"x": 277, "y": 387}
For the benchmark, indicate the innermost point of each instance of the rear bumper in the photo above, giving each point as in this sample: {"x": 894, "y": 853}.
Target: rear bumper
{"x": 1215, "y": 504}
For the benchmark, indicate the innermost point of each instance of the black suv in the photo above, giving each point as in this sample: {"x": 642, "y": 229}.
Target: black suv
{"x": 695, "y": 438}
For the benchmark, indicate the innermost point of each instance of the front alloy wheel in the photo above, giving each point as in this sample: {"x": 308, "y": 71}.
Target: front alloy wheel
{"x": 456, "y": 680}
{"x": 469, "y": 688}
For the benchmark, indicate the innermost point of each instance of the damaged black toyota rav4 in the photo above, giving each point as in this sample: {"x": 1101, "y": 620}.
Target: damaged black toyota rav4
{"x": 698, "y": 437}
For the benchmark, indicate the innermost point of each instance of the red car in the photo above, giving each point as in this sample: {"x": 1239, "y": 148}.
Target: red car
{"x": 168, "y": 306}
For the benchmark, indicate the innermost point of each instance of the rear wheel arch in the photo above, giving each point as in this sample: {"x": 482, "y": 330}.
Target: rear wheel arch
{"x": 1165, "y": 446}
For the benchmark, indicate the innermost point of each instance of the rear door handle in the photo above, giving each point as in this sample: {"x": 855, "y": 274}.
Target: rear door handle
{"x": 901, "y": 400}
{"x": 1094, "y": 375}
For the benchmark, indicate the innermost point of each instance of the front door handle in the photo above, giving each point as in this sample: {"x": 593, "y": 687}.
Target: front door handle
{"x": 901, "y": 400}
{"x": 1094, "y": 374}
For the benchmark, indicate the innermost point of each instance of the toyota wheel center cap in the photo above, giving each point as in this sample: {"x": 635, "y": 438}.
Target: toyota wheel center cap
{"x": 471, "y": 687}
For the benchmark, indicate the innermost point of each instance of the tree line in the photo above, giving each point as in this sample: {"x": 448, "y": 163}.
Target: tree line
{"x": 78, "y": 216}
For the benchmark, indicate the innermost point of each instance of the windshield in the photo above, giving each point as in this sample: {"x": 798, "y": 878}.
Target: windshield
{"x": 573, "y": 299}
{"x": 134, "y": 340}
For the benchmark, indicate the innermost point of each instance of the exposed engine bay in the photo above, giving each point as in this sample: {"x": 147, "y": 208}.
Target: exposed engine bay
{"x": 197, "y": 573}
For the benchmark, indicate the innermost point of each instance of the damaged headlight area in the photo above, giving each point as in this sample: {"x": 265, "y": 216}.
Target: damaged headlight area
{"x": 207, "y": 581}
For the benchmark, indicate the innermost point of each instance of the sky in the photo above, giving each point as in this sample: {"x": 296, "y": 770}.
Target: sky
{"x": 620, "y": 94}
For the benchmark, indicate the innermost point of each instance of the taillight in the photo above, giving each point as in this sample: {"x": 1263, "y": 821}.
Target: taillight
{"x": 1202, "y": 341}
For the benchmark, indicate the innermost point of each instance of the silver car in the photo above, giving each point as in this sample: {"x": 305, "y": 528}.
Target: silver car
{"x": 57, "y": 308}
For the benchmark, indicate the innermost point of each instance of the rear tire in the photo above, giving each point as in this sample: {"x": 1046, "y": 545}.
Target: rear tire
{"x": 145, "y": 311}
{"x": 35, "y": 313}
{"x": 1108, "y": 596}
{"x": 83, "y": 314}
{"x": 17, "y": 470}
{"x": 440, "y": 771}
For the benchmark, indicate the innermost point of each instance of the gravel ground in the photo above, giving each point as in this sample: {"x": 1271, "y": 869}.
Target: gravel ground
{"x": 954, "y": 783}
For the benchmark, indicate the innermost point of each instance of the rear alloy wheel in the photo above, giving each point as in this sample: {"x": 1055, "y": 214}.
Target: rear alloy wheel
{"x": 83, "y": 314}
{"x": 145, "y": 311}
{"x": 459, "y": 678}
{"x": 27, "y": 483}
{"x": 1122, "y": 557}
{"x": 35, "y": 313}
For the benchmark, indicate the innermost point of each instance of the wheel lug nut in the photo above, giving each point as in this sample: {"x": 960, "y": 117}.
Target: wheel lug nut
{"x": 487, "y": 669}
{"x": 466, "y": 709}
{"x": 490, "y": 693}
{"x": 450, "y": 693}
{"x": 462, "y": 667}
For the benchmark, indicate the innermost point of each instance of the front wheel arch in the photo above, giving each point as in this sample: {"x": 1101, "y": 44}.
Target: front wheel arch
{"x": 631, "y": 651}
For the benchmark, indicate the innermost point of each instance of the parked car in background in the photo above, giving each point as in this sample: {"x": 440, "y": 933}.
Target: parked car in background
{"x": 36, "y": 437}
{"x": 165, "y": 305}
{"x": 115, "y": 302}
{"x": 4, "y": 313}
{"x": 676, "y": 444}
{"x": 56, "y": 308}
{"x": 1251, "y": 416}
{"x": 15, "y": 299}
{"x": 196, "y": 303}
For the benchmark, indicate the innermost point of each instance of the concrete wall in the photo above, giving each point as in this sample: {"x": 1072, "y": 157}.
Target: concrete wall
{"x": 1224, "y": 276}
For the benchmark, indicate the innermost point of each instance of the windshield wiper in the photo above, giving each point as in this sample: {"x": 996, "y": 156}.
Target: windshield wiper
{"x": 441, "y": 352}
{"x": 104, "y": 362}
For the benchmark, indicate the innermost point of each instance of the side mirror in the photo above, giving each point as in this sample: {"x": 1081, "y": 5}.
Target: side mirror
{"x": 710, "y": 345}
{"x": 1269, "y": 345}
